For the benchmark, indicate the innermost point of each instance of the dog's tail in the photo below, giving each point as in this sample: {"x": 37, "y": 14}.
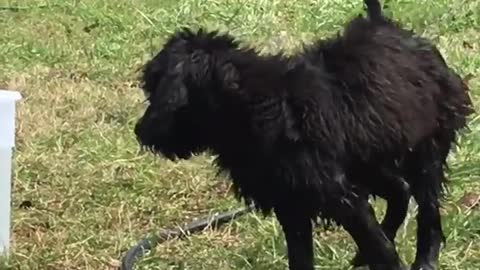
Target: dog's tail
{"x": 374, "y": 10}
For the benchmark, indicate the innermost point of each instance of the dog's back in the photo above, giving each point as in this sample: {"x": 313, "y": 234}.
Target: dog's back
{"x": 398, "y": 84}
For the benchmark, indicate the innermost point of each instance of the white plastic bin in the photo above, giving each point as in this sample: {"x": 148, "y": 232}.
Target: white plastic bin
{"x": 7, "y": 143}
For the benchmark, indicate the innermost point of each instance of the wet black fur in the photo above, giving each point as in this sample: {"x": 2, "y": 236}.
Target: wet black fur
{"x": 372, "y": 111}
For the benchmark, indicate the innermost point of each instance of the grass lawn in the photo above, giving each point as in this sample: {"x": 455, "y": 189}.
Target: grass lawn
{"x": 83, "y": 193}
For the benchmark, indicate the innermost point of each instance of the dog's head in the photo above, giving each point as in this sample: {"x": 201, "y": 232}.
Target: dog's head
{"x": 178, "y": 84}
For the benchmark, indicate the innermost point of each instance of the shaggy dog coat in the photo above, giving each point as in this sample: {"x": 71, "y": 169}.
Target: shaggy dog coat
{"x": 372, "y": 111}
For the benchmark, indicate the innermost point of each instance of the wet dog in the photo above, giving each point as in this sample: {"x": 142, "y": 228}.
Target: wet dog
{"x": 372, "y": 111}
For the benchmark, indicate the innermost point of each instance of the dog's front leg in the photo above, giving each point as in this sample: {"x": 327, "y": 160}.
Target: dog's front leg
{"x": 297, "y": 228}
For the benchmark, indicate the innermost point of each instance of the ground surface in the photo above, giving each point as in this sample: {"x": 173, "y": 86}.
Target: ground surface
{"x": 82, "y": 192}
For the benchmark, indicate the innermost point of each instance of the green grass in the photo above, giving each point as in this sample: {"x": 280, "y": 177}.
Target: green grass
{"x": 94, "y": 195}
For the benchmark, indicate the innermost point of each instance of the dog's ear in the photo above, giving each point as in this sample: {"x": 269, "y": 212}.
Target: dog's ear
{"x": 291, "y": 128}
{"x": 295, "y": 67}
{"x": 200, "y": 67}
{"x": 204, "y": 66}
{"x": 198, "y": 71}
{"x": 169, "y": 91}
{"x": 176, "y": 67}
{"x": 215, "y": 75}
{"x": 230, "y": 77}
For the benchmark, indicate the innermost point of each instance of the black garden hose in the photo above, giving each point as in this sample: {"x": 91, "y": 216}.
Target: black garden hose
{"x": 149, "y": 243}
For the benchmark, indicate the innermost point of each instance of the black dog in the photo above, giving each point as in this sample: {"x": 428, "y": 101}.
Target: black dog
{"x": 373, "y": 111}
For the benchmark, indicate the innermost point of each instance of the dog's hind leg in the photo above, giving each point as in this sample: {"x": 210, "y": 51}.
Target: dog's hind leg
{"x": 426, "y": 178}
{"x": 398, "y": 198}
{"x": 297, "y": 228}
{"x": 429, "y": 231}
{"x": 356, "y": 215}
{"x": 377, "y": 250}
{"x": 396, "y": 192}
